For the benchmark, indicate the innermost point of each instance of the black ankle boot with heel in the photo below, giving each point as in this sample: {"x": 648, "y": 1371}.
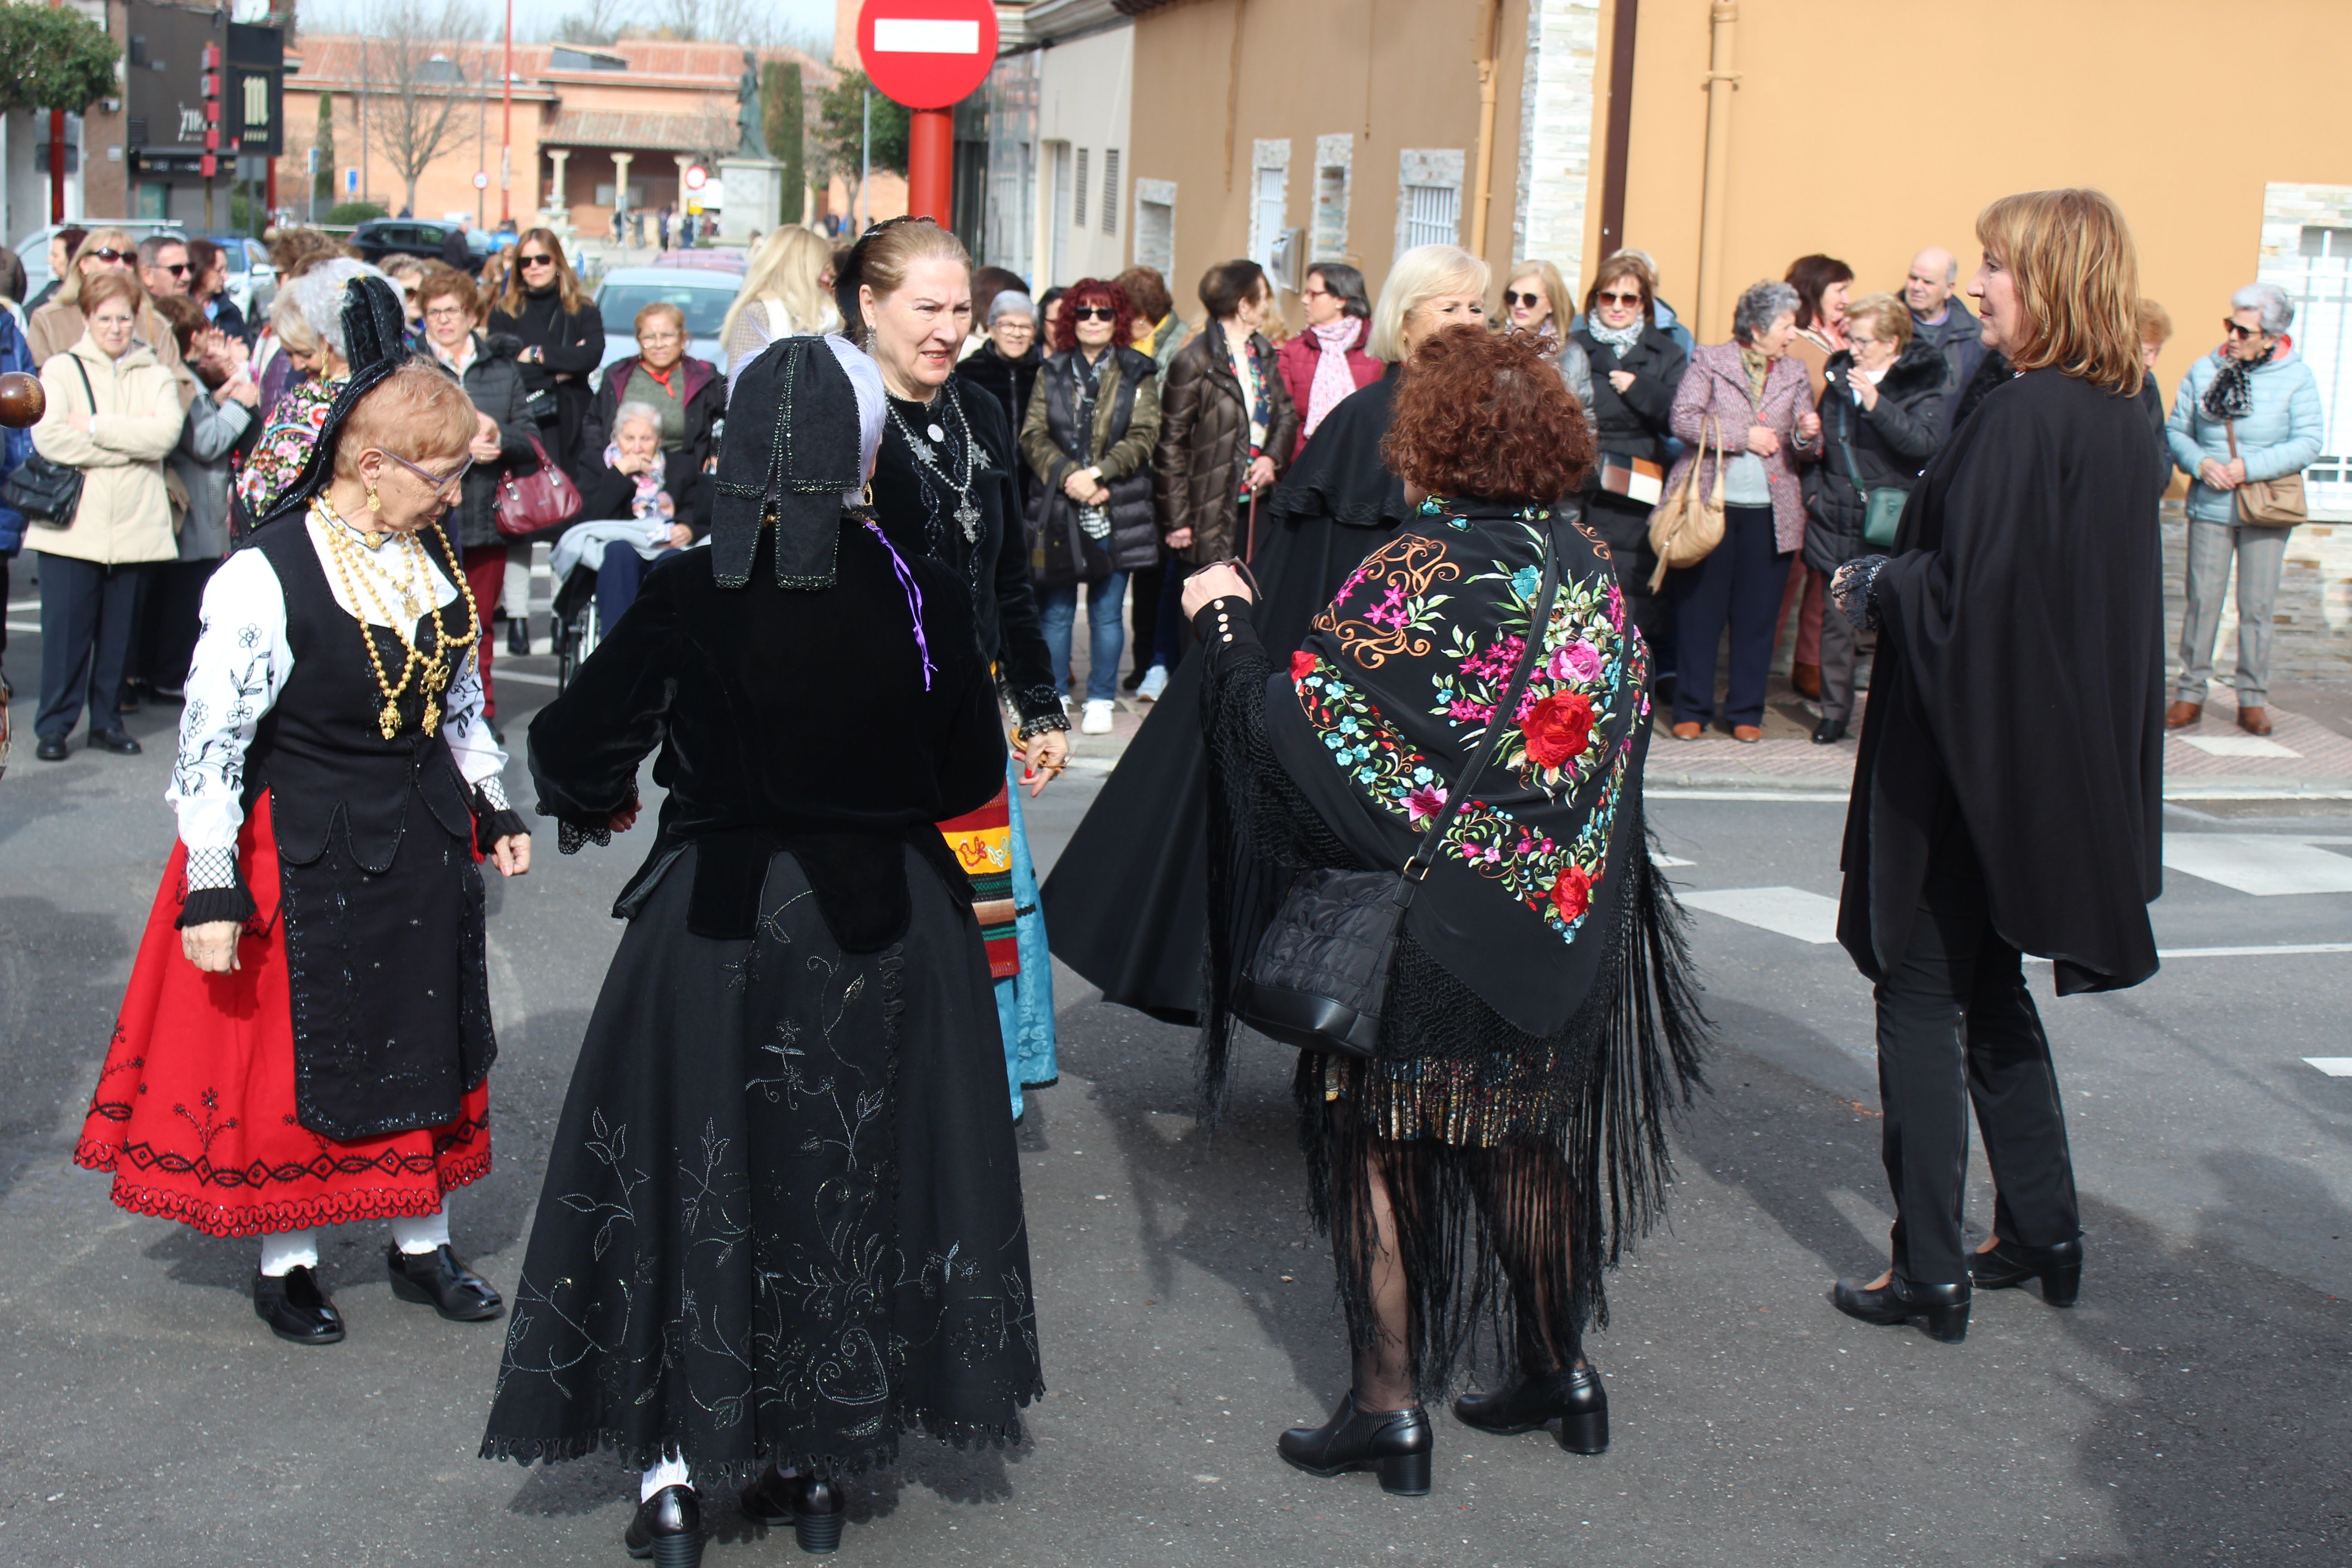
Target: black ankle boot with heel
{"x": 1941, "y": 1311}
{"x": 668, "y": 1529}
{"x": 811, "y": 1505}
{"x": 1395, "y": 1442}
{"x": 2010, "y": 1263}
{"x": 1573, "y": 1397}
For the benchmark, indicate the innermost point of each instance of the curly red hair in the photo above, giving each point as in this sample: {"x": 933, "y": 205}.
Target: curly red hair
{"x": 1488, "y": 416}
{"x": 1093, "y": 291}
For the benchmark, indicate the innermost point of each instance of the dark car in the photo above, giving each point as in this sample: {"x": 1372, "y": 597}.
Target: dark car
{"x": 382, "y": 236}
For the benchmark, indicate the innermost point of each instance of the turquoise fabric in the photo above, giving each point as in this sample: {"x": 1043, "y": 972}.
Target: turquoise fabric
{"x": 2280, "y": 435}
{"x": 1024, "y": 1004}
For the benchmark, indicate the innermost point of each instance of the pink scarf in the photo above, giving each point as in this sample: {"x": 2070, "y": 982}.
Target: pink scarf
{"x": 1333, "y": 380}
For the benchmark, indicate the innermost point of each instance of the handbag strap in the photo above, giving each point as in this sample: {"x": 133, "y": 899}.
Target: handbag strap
{"x": 2230, "y": 428}
{"x": 1537, "y": 621}
{"x": 83, "y": 371}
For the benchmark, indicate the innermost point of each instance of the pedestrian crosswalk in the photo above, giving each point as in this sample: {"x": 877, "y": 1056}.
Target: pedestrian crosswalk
{"x": 2258, "y": 863}
{"x": 1789, "y": 911}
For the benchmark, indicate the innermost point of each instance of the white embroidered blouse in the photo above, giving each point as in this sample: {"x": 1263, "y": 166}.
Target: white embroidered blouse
{"x": 241, "y": 664}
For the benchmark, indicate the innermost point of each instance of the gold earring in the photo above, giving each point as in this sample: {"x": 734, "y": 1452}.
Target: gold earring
{"x": 376, "y": 502}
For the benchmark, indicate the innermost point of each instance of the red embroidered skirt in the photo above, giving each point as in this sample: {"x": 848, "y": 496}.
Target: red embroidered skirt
{"x": 194, "y": 1113}
{"x": 981, "y": 842}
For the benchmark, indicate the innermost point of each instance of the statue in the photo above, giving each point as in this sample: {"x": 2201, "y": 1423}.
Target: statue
{"x": 747, "y": 112}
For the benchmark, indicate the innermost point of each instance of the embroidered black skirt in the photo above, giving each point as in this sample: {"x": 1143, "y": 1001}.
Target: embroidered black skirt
{"x": 781, "y": 1218}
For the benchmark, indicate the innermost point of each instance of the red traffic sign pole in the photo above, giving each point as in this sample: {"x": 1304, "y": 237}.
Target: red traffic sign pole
{"x": 927, "y": 55}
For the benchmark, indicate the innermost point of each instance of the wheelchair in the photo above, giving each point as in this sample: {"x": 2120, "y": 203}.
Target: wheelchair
{"x": 578, "y": 628}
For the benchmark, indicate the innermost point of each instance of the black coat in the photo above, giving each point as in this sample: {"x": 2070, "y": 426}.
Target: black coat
{"x": 1891, "y": 442}
{"x": 1006, "y": 380}
{"x": 573, "y": 346}
{"x": 2016, "y": 705}
{"x": 1060, "y": 551}
{"x": 1633, "y": 423}
{"x": 495, "y": 384}
{"x": 705, "y": 409}
{"x": 605, "y": 493}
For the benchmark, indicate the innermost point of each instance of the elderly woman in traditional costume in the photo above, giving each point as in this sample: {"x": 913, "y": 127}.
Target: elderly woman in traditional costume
{"x": 306, "y": 1039}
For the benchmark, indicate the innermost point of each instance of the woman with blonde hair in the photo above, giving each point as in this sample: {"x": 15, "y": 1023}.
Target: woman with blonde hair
{"x": 1149, "y": 827}
{"x": 784, "y": 295}
{"x": 57, "y": 325}
{"x": 1981, "y": 827}
{"x": 1534, "y": 302}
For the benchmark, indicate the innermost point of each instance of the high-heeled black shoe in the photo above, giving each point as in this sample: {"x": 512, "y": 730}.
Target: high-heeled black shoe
{"x": 811, "y": 1506}
{"x": 1941, "y": 1311}
{"x": 667, "y": 1527}
{"x": 1395, "y": 1443}
{"x": 2010, "y": 1263}
{"x": 519, "y": 635}
{"x": 1572, "y": 1396}
{"x": 296, "y": 1309}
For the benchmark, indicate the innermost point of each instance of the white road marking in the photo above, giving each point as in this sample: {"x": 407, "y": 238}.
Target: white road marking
{"x": 1789, "y": 911}
{"x": 2257, "y": 863}
{"x": 24, "y": 626}
{"x": 2283, "y": 950}
{"x": 2237, "y": 746}
{"x": 526, "y": 676}
{"x": 2333, "y": 1067}
{"x": 1670, "y": 861}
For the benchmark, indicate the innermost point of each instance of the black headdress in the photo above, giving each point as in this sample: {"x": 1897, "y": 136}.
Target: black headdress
{"x": 794, "y": 447}
{"x": 375, "y": 343}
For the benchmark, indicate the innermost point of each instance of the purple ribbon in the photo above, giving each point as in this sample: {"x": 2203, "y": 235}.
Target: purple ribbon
{"x": 914, "y": 597}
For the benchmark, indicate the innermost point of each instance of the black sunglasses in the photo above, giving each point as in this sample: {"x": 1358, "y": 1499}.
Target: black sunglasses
{"x": 108, "y": 253}
{"x": 1512, "y": 298}
{"x": 1608, "y": 298}
{"x": 1093, "y": 313}
{"x": 538, "y": 261}
{"x": 177, "y": 269}
{"x": 2236, "y": 331}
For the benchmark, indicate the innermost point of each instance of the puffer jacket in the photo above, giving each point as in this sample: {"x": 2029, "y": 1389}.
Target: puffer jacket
{"x": 1891, "y": 443}
{"x": 1716, "y": 387}
{"x": 701, "y": 388}
{"x": 2280, "y": 435}
{"x": 125, "y": 513}
{"x": 1205, "y": 451}
{"x": 494, "y": 381}
{"x": 16, "y": 445}
{"x": 1124, "y": 434}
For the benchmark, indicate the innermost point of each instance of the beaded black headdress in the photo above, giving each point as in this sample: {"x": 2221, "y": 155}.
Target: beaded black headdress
{"x": 375, "y": 343}
{"x": 795, "y": 449}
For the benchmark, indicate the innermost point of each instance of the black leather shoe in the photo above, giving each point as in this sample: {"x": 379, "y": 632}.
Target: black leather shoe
{"x": 519, "y": 635}
{"x": 1395, "y": 1443}
{"x": 2059, "y": 1268}
{"x": 50, "y": 751}
{"x": 811, "y": 1506}
{"x": 667, "y": 1527}
{"x": 1829, "y": 731}
{"x": 1941, "y": 1311}
{"x": 1573, "y": 1397}
{"x": 296, "y": 1310}
{"x": 119, "y": 741}
{"x": 437, "y": 1279}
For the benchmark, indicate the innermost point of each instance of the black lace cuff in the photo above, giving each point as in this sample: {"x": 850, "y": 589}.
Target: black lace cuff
{"x": 202, "y": 906}
{"x": 573, "y": 834}
{"x": 1040, "y": 708}
{"x": 1855, "y": 588}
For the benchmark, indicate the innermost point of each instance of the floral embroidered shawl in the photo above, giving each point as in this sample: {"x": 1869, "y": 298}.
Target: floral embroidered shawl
{"x": 1394, "y": 689}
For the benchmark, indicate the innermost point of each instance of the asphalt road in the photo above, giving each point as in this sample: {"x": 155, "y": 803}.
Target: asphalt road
{"x": 2193, "y": 1408}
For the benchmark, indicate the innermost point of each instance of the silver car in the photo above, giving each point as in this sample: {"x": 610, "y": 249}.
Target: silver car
{"x": 702, "y": 294}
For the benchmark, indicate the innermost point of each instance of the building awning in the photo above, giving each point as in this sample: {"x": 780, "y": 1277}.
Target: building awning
{"x": 627, "y": 131}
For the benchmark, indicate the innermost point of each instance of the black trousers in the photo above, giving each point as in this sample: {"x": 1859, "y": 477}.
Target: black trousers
{"x": 1956, "y": 1025}
{"x": 1143, "y": 589}
{"x": 170, "y": 618}
{"x": 1625, "y": 526}
{"x": 87, "y": 613}
{"x": 1740, "y": 582}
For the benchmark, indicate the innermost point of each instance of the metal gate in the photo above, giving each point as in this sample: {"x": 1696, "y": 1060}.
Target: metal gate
{"x": 2319, "y": 278}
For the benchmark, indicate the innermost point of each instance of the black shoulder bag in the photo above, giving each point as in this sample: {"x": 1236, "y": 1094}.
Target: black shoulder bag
{"x": 47, "y": 492}
{"x": 1319, "y": 977}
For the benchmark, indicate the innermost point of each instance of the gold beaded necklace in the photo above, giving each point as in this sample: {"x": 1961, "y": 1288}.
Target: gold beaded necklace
{"x": 432, "y": 672}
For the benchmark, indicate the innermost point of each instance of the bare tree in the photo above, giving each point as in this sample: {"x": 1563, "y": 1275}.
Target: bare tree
{"x": 595, "y": 22}
{"x": 413, "y": 71}
{"x": 758, "y": 24}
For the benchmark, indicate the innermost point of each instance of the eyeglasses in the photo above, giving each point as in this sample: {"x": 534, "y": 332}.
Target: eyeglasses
{"x": 436, "y": 482}
{"x": 538, "y": 261}
{"x": 1317, "y": 293}
{"x": 650, "y": 339}
{"x": 177, "y": 269}
{"x": 108, "y": 253}
{"x": 1513, "y": 300}
{"x": 1605, "y": 298}
{"x": 1093, "y": 313}
{"x": 444, "y": 312}
{"x": 2237, "y": 330}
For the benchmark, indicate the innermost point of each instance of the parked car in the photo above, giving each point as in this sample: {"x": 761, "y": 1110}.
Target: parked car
{"x": 717, "y": 258}
{"x": 33, "y": 250}
{"x": 382, "y": 236}
{"x": 702, "y": 293}
{"x": 252, "y": 280}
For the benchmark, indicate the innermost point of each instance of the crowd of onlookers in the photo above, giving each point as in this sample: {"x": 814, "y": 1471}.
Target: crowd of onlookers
{"x": 1146, "y": 443}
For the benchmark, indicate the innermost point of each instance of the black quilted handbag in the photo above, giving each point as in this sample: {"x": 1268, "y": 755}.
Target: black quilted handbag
{"x": 1319, "y": 976}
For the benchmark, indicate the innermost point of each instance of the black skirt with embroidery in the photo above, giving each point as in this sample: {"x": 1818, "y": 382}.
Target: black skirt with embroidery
{"x": 781, "y": 1218}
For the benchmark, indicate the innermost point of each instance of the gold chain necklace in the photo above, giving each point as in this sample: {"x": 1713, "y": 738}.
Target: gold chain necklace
{"x": 432, "y": 672}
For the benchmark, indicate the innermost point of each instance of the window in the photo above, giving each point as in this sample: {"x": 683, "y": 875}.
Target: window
{"x": 705, "y": 307}
{"x": 1110, "y": 190}
{"x": 1429, "y": 197}
{"x": 1155, "y": 225}
{"x": 1270, "y": 203}
{"x": 1333, "y": 168}
{"x": 1078, "y": 194}
{"x": 2324, "y": 243}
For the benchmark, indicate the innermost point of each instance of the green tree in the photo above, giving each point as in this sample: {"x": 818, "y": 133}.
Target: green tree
{"x": 353, "y": 213}
{"x": 841, "y": 107}
{"x": 323, "y": 187}
{"x": 782, "y": 119}
{"x": 57, "y": 57}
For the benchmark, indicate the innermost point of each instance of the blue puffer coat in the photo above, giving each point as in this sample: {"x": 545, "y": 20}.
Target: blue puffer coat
{"x": 2280, "y": 435}
{"x": 16, "y": 445}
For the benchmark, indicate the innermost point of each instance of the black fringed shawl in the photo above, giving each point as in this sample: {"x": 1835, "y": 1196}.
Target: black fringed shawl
{"x": 1542, "y": 1021}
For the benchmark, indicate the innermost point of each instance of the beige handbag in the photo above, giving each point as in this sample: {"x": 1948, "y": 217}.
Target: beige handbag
{"x": 2268, "y": 503}
{"x": 1685, "y": 527}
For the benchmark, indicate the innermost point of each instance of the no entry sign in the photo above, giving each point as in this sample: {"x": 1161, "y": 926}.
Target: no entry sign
{"x": 927, "y": 54}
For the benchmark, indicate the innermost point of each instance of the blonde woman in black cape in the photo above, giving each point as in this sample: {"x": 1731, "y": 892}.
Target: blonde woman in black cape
{"x": 1983, "y": 827}
{"x": 782, "y": 1223}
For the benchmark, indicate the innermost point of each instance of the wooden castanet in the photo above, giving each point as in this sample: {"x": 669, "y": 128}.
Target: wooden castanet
{"x": 22, "y": 401}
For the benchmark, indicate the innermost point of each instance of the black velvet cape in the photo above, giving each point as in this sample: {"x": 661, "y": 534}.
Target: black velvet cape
{"x": 2018, "y": 692}
{"x": 1127, "y": 905}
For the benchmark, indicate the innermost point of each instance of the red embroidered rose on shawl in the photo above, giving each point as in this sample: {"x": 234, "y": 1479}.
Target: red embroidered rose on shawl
{"x": 1301, "y": 661}
{"x": 1572, "y": 892}
{"x": 1556, "y": 728}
